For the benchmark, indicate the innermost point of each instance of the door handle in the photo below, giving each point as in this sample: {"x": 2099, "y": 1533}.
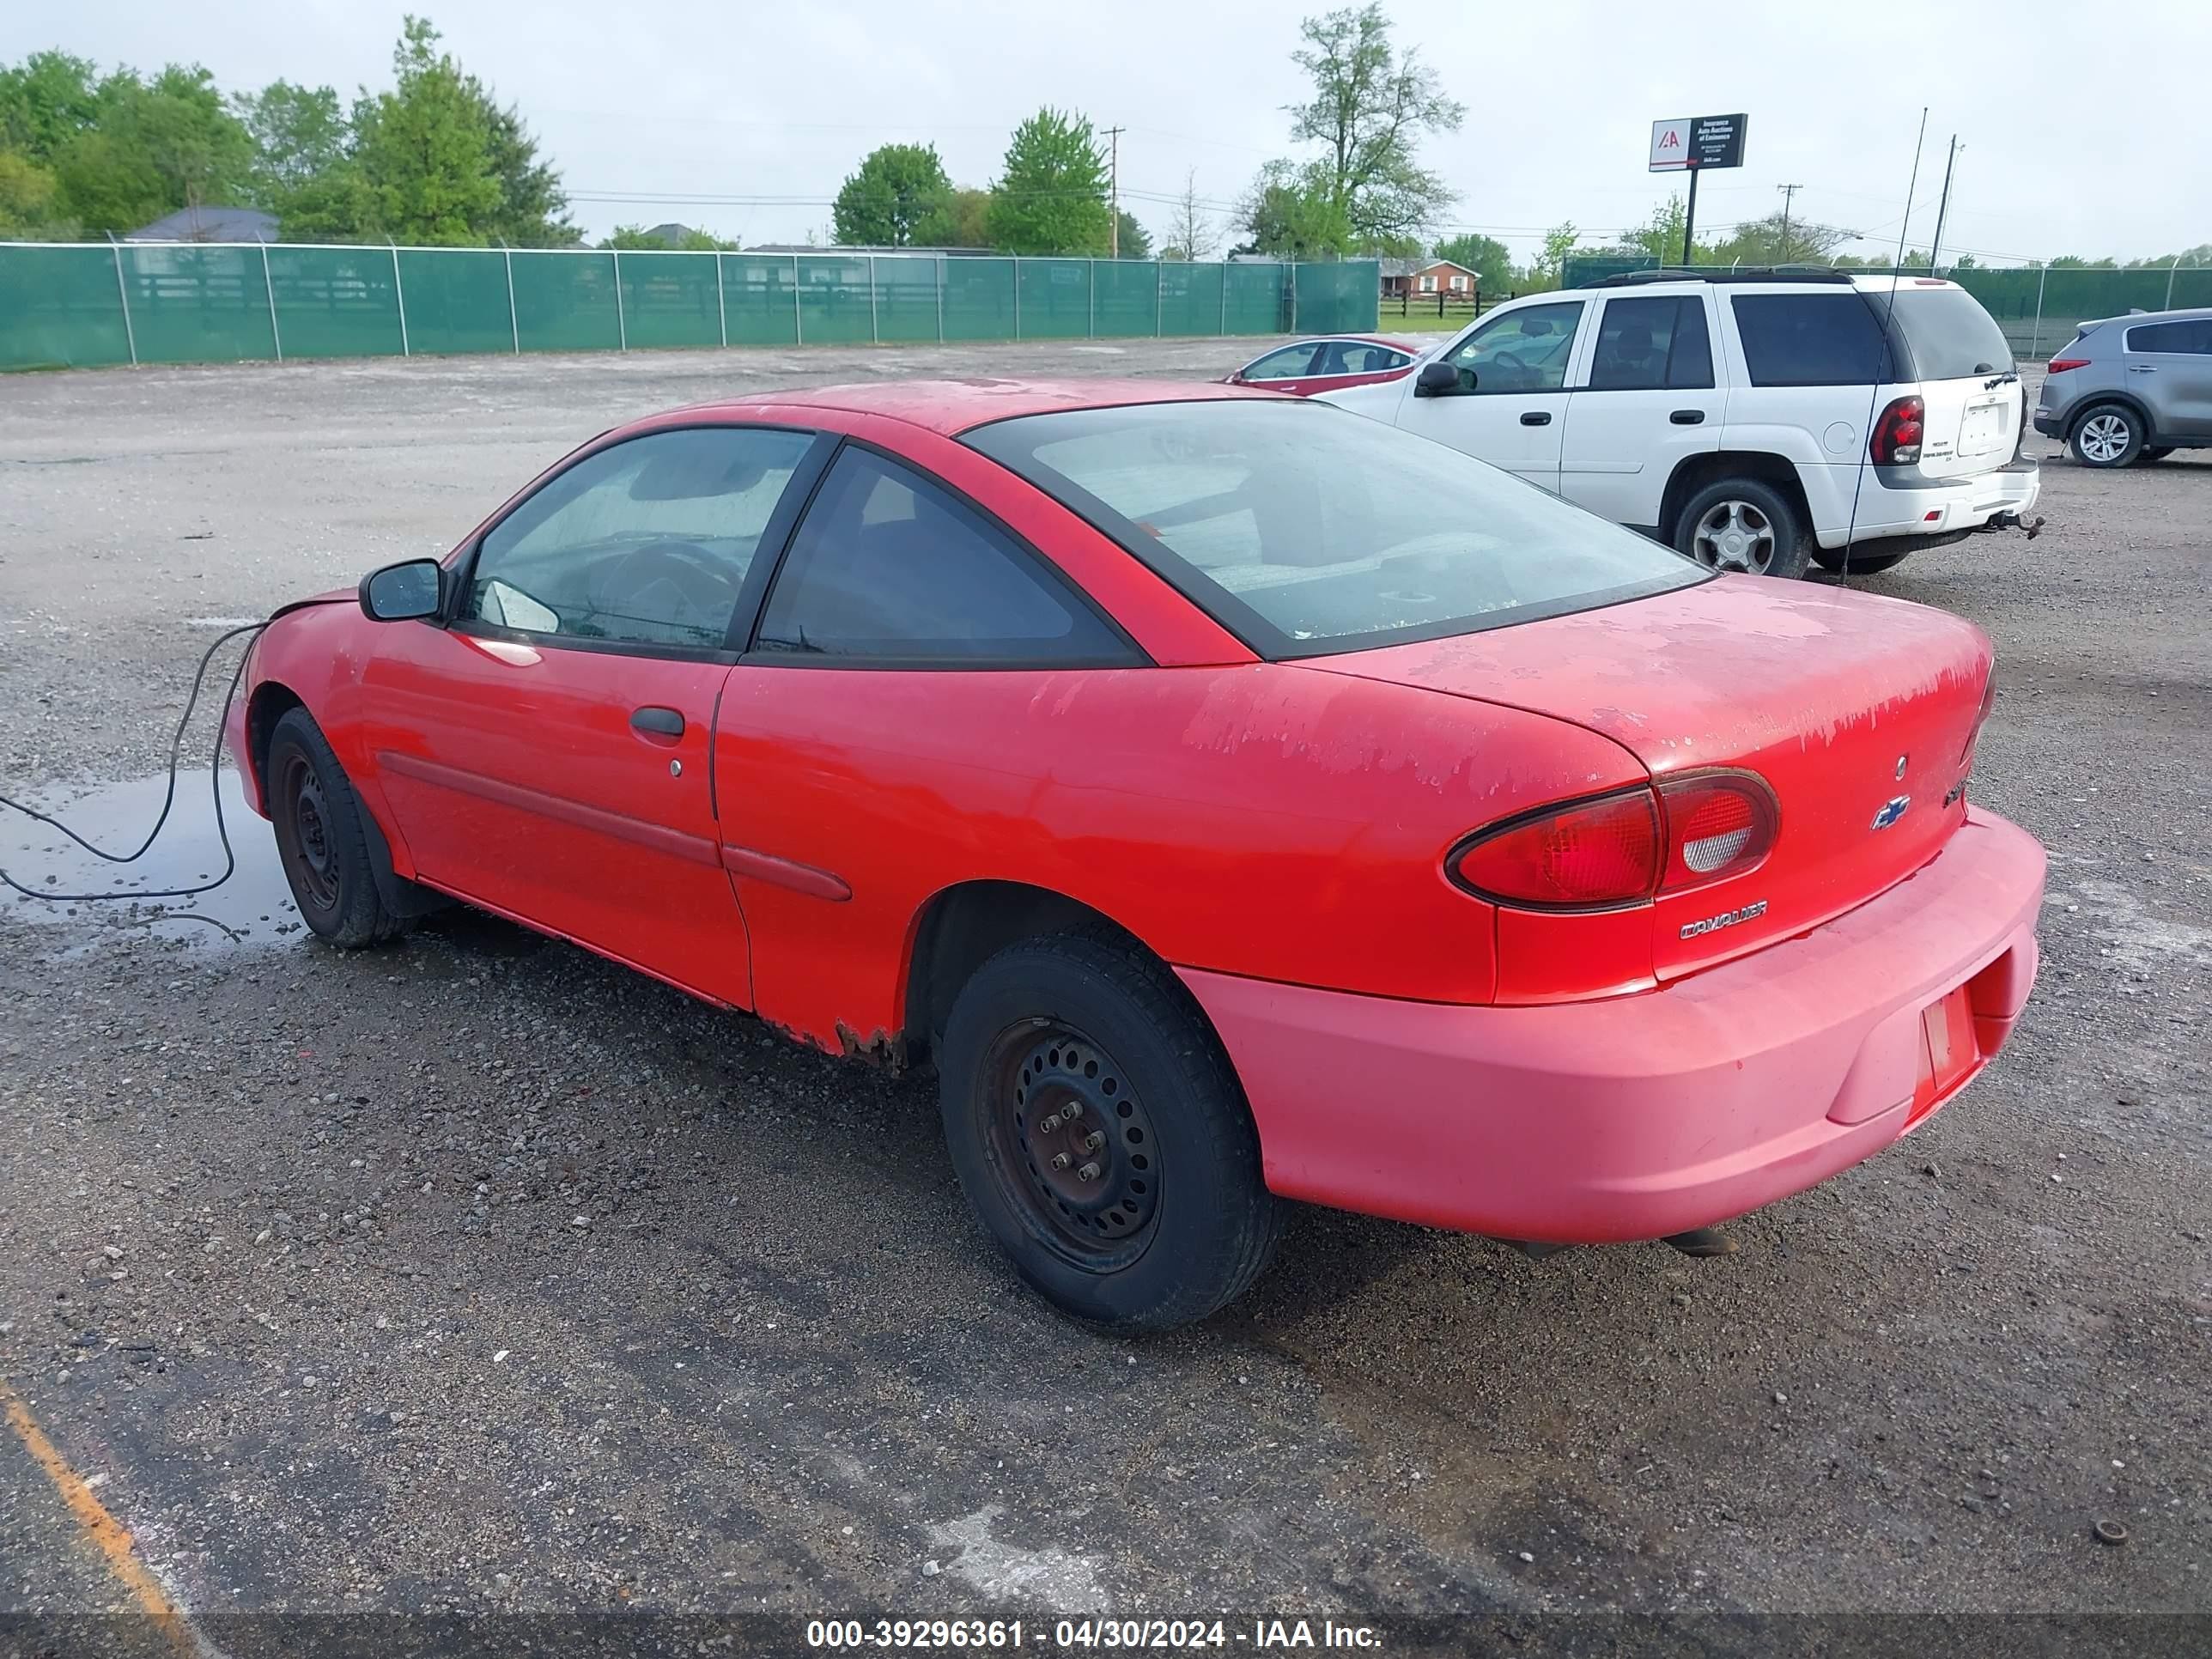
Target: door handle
{"x": 1688, "y": 417}
{"x": 658, "y": 722}
{"x": 1537, "y": 418}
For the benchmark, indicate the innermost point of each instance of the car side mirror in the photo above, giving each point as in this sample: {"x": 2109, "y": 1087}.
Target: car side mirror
{"x": 1436, "y": 379}
{"x": 402, "y": 593}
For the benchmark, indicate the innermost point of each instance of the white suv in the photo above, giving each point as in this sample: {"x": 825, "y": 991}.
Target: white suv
{"x": 1754, "y": 420}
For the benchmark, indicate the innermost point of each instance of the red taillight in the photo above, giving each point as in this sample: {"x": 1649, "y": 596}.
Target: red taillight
{"x": 1897, "y": 434}
{"x": 1718, "y": 825}
{"x": 2060, "y": 365}
{"x": 1624, "y": 848}
{"x": 1588, "y": 856}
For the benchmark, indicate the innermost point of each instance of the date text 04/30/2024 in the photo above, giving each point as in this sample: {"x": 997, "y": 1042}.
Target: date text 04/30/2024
{"x": 977, "y": 1634}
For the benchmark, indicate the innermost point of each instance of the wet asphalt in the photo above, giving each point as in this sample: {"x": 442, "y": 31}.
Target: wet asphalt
{"x": 477, "y": 1277}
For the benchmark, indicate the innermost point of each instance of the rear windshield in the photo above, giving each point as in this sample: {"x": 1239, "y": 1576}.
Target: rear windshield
{"x": 1305, "y": 528}
{"x": 1947, "y": 334}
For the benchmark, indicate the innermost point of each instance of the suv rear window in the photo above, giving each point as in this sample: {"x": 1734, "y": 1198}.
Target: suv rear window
{"x": 1948, "y": 335}
{"x": 1810, "y": 339}
{"x": 1305, "y": 529}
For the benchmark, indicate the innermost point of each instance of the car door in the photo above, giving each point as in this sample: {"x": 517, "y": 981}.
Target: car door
{"x": 1352, "y": 362}
{"x": 1509, "y": 406}
{"x": 1281, "y": 370}
{"x": 886, "y": 731}
{"x": 546, "y": 750}
{"x": 2169, "y": 366}
{"x": 1645, "y": 404}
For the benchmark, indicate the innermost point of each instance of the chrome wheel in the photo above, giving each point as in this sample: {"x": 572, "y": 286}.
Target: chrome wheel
{"x": 1734, "y": 535}
{"x": 2104, "y": 438}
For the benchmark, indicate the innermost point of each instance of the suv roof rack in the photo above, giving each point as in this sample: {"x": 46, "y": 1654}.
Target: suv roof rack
{"x": 1708, "y": 273}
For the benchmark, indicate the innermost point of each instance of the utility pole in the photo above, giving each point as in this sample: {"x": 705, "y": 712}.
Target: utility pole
{"x": 1944, "y": 206}
{"x": 1788, "y": 193}
{"x": 1114, "y": 173}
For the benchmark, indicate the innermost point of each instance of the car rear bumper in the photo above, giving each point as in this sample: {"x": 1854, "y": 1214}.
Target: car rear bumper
{"x": 1636, "y": 1118}
{"x": 1939, "y": 507}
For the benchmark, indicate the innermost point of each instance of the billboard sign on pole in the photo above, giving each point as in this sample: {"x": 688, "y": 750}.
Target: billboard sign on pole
{"x": 1698, "y": 141}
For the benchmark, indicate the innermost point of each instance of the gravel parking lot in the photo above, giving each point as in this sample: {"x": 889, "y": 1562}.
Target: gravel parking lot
{"x": 479, "y": 1277}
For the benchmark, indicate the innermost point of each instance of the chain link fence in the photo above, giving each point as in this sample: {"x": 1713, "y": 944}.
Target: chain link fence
{"x": 2038, "y": 307}
{"x": 84, "y": 306}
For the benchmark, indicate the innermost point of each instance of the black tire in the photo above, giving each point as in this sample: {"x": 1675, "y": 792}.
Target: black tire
{"x": 2106, "y": 435}
{"x": 1174, "y": 1220}
{"x": 1770, "y": 541}
{"x": 2156, "y": 452}
{"x": 1863, "y": 563}
{"x": 321, "y": 839}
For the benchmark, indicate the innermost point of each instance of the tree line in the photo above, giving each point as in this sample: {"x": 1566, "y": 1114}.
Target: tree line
{"x": 435, "y": 160}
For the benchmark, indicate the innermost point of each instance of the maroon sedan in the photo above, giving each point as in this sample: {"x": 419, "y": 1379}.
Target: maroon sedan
{"x": 1329, "y": 363}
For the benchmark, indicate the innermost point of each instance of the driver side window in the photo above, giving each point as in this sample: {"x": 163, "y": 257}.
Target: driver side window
{"x": 1525, "y": 350}
{"x": 647, "y": 543}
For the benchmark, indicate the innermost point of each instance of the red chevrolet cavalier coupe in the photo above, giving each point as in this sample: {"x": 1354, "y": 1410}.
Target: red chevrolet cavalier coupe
{"x": 1237, "y": 800}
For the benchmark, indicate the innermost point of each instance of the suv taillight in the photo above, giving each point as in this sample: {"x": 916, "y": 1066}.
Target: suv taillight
{"x": 1624, "y": 848}
{"x": 2060, "y": 365}
{"x": 1897, "y": 434}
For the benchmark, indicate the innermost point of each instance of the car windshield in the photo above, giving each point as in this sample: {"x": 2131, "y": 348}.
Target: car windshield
{"x": 1305, "y": 529}
{"x": 1949, "y": 336}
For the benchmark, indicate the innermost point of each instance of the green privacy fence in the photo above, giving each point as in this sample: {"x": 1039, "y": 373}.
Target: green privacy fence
{"x": 2038, "y": 307}
{"x": 78, "y": 305}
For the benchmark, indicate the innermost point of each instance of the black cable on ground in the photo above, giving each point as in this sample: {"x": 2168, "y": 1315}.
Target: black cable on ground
{"x": 168, "y": 799}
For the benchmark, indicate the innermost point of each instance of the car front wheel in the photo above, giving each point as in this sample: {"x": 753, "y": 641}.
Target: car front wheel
{"x": 1101, "y": 1135}
{"x": 2107, "y": 436}
{"x": 320, "y": 838}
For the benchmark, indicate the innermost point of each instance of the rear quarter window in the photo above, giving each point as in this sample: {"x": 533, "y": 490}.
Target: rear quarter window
{"x": 1810, "y": 339}
{"x": 1948, "y": 335}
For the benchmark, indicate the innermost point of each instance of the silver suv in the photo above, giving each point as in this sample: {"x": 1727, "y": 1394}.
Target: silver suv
{"x": 2133, "y": 388}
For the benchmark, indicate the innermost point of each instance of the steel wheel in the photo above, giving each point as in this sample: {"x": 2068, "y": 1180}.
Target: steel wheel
{"x": 310, "y": 853}
{"x": 2104, "y": 438}
{"x": 1734, "y": 535}
{"x": 1073, "y": 1148}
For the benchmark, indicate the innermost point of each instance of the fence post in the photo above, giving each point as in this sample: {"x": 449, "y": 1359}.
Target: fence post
{"x": 1018, "y": 296}
{"x": 268, "y": 286}
{"x": 2170, "y": 269}
{"x": 2035, "y": 344}
{"x": 514, "y": 321}
{"x": 940, "y": 298}
{"x": 621, "y": 321}
{"x": 1091, "y": 323}
{"x": 122, "y": 293}
{"x": 1159, "y": 298}
{"x": 1225, "y": 299}
{"x": 399, "y": 301}
{"x": 722, "y": 303}
{"x": 797, "y": 317}
{"x": 875, "y": 333}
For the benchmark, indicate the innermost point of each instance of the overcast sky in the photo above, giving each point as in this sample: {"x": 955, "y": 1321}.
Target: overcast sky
{"x": 2082, "y": 131}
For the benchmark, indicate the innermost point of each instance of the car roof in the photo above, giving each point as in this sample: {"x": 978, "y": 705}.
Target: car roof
{"x": 2134, "y": 318}
{"x": 1395, "y": 342}
{"x": 950, "y": 407}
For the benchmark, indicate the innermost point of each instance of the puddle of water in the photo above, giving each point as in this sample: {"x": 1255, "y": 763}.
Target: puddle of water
{"x": 255, "y": 904}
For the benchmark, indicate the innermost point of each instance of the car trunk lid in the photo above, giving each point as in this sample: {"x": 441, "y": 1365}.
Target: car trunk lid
{"x": 1859, "y": 711}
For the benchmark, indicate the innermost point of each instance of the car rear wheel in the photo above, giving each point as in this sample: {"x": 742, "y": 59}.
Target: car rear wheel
{"x": 1743, "y": 524}
{"x": 320, "y": 838}
{"x": 1862, "y": 563}
{"x": 1101, "y": 1135}
{"x": 2107, "y": 436}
